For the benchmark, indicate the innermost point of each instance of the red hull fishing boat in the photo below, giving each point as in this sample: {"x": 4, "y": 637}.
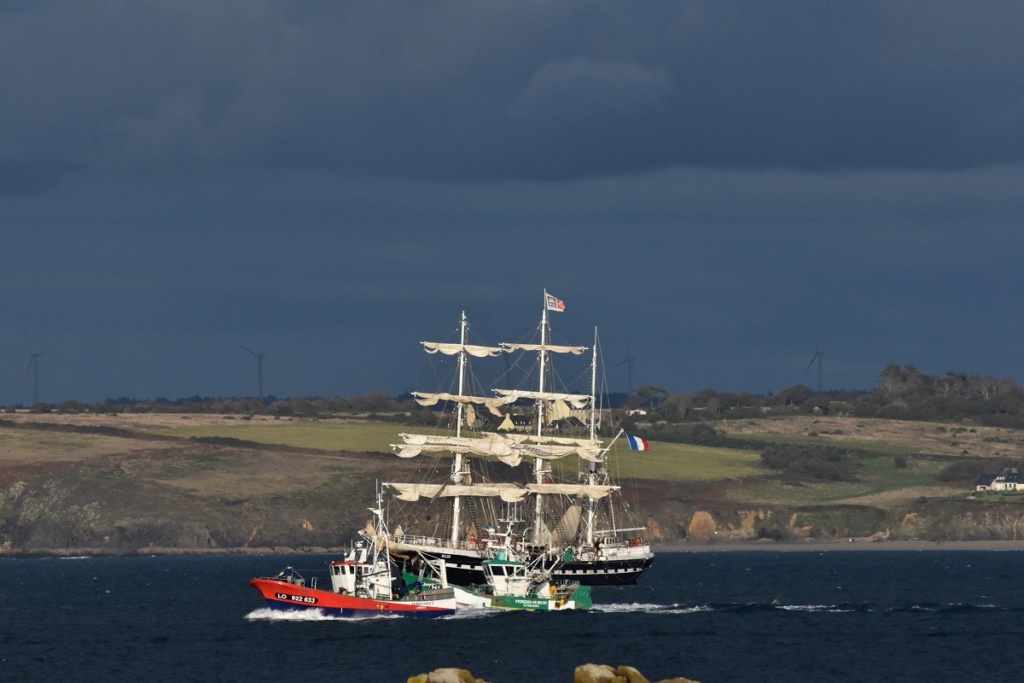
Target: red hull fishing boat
{"x": 362, "y": 585}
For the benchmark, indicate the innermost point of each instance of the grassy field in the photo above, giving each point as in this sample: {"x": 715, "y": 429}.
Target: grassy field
{"x": 665, "y": 461}
{"x": 682, "y": 462}
{"x": 878, "y": 482}
{"x": 40, "y": 446}
{"x": 357, "y": 437}
{"x": 878, "y": 479}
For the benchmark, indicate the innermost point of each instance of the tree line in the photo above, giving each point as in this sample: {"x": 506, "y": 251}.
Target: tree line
{"x": 901, "y": 392}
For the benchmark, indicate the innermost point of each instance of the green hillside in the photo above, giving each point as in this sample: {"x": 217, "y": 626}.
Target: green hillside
{"x": 189, "y": 482}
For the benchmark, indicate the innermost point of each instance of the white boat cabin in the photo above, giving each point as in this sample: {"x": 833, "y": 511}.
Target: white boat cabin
{"x": 511, "y": 577}
{"x": 358, "y": 575}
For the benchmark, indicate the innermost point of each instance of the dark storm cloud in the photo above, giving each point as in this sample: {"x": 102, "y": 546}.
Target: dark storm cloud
{"x": 716, "y": 278}
{"x": 721, "y": 186}
{"x": 471, "y": 91}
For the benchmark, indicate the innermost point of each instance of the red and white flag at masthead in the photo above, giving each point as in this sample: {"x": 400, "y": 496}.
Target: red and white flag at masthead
{"x": 553, "y": 304}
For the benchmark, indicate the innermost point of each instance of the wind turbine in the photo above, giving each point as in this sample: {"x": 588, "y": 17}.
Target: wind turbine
{"x": 259, "y": 365}
{"x": 33, "y": 365}
{"x": 628, "y": 362}
{"x": 816, "y": 357}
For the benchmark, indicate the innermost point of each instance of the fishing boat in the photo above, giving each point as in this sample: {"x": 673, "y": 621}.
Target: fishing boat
{"x": 363, "y": 584}
{"x": 512, "y": 582}
{"x": 516, "y": 583}
{"x": 580, "y": 513}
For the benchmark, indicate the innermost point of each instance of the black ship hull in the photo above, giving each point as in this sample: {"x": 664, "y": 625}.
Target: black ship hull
{"x": 465, "y": 569}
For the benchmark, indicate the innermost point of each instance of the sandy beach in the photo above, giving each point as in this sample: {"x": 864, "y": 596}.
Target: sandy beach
{"x": 836, "y": 546}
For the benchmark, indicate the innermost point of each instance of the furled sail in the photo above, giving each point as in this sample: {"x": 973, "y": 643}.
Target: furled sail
{"x": 577, "y": 401}
{"x": 492, "y": 444}
{"x": 595, "y": 491}
{"x": 510, "y": 493}
{"x": 565, "y": 440}
{"x": 557, "y": 452}
{"x": 552, "y": 447}
{"x": 550, "y": 348}
{"x": 454, "y": 349}
{"x": 430, "y": 399}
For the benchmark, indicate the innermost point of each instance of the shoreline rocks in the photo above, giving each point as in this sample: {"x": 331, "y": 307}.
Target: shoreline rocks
{"x": 585, "y": 673}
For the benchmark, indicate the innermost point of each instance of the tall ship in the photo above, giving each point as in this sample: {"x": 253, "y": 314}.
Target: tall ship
{"x": 524, "y": 459}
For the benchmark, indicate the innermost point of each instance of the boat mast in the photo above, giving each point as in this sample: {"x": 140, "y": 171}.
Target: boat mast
{"x": 539, "y": 468}
{"x": 591, "y": 465}
{"x": 457, "y": 472}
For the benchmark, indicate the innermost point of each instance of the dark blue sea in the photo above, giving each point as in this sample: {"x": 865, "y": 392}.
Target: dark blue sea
{"x": 715, "y": 617}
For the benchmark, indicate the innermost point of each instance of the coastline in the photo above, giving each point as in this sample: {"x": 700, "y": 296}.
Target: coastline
{"x": 835, "y": 546}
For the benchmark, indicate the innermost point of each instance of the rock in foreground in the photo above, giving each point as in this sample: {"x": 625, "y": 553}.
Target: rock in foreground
{"x": 586, "y": 673}
{"x": 602, "y": 673}
{"x": 446, "y": 676}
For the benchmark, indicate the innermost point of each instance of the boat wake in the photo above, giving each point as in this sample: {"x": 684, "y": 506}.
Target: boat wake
{"x": 267, "y": 614}
{"x": 649, "y": 608}
{"x": 473, "y": 613}
{"x": 776, "y": 606}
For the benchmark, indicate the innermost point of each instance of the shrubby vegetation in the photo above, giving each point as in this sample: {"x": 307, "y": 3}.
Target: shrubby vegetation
{"x": 903, "y": 393}
{"x": 822, "y": 463}
{"x": 967, "y": 470}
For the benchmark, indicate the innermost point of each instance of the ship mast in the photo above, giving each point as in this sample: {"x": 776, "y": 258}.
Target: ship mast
{"x": 539, "y": 468}
{"x": 457, "y": 470}
{"x": 591, "y": 465}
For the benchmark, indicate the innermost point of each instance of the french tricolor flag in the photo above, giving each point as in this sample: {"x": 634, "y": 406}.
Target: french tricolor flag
{"x": 637, "y": 443}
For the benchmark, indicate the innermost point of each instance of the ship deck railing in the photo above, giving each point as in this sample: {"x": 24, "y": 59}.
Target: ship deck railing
{"x": 607, "y": 550}
{"x": 614, "y": 551}
{"x": 435, "y": 542}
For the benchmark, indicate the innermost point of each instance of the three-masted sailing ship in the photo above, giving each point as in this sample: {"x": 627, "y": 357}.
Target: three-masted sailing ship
{"x": 575, "y": 525}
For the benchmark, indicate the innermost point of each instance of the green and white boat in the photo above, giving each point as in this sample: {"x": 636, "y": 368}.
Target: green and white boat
{"x": 514, "y": 583}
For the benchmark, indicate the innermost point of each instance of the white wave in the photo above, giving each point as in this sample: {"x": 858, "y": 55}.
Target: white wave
{"x": 650, "y": 608}
{"x": 267, "y": 614}
{"x": 812, "y": 608}
{"x": 473, "y": 613}
{"x": 688, "y": 610}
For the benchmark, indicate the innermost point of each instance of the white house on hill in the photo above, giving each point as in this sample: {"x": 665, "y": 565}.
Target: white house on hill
{"x": 1009, "y": 480}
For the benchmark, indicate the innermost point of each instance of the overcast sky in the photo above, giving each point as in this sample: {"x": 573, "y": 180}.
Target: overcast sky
{"x": 717, "y": 186}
